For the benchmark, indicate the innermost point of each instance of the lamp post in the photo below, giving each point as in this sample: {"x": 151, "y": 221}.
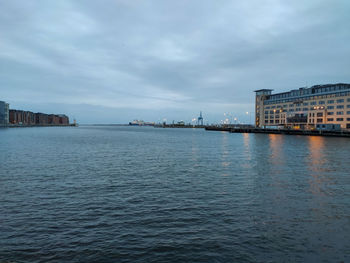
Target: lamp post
{"x": 250, "y": 116}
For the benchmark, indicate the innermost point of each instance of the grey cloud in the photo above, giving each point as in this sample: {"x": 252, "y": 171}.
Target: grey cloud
{"x": 167, "y": 58}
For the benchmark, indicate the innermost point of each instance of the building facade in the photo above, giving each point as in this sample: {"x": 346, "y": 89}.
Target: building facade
{"x": 4, "y": 113}
{"x": 22, "y": 117}
{"x": 305, "y": 107}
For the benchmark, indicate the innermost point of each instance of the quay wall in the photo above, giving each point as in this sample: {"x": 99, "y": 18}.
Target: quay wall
{"x": 35, "y": 125}
{"x": 341, "y": 133}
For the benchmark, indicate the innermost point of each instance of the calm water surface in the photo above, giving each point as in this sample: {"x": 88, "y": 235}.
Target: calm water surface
{"x": 141, "y": 194}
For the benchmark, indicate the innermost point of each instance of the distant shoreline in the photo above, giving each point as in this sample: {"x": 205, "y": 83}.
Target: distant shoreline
{"x": 36, "y": 125}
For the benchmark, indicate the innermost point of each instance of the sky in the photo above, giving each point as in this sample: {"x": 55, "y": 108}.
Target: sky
{"x": 112, "y": 61}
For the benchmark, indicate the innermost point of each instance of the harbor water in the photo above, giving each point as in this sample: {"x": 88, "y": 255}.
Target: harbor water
{"x": 144, "y": 194}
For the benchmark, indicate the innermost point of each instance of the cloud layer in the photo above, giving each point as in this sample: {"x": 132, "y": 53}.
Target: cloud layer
{"x": 166, "y": 59}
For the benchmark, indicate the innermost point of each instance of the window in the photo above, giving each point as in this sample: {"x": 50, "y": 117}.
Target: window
{"x": 313, "y": 103}
{"x": 321, "y": 102}
{"x": 330, "y": 113}
{"x": 305, "y": 104}
{"x": 330, "y": 107}
{"x": 340, "y": 112}
{"x": 319, "y": 120}
{"x": 319, "y": 114}
{"x": 348, "y": 112}
{"x": 330, "y": 101}
{"x": 340, "y": 106}
{"x": 340, "y": 100}
{"x": 266, "y": 112}
{"x": 348, "y": 100}
{"x": 348, "y": 119}
{"x": 330, "y": 119}
{"x": 271, "y": 121}
{"x": 348, "y": 106}
{"x": 340, "y": 119}
{"x": 305, "y": 109}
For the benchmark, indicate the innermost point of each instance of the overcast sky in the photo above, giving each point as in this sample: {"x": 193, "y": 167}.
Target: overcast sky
{"x": 112, "y": 61}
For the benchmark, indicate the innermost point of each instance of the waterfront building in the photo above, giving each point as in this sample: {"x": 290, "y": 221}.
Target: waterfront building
{"x": 22, "y": 117}
{"x": 4, "y": 113}
{"x": 28, "y": 118}
{"x": 41, "y": 118}
{"x": 304, "y": 107}
{"x": 53, "y": 119}
{"x": 63, "y": 119}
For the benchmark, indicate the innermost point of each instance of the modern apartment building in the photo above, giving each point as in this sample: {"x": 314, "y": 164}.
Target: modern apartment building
{"x": 4, "y": 113}
{"x": 304, "y": 107}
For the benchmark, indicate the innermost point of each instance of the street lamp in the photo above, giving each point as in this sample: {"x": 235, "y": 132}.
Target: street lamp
{"x": 250, "y": 116}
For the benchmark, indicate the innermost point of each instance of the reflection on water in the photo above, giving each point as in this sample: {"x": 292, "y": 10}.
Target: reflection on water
{"x": 194, "y": 153}
{"x": 317, "y": 164}
{"x": 247, "y": 151}
{"x": 225, "y": 154}
{"x": 276, "y": 145}
{"x": 316, "y": 150}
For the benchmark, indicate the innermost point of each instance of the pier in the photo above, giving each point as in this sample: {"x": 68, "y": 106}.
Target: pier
{"x": 340, "y": 133}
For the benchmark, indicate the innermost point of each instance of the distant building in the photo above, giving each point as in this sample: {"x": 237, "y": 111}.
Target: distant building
{"x": 63, "y": 119}
{"x": 304, "y": 107}
{"x": 4, "y": 113}
{"x": 53, "y": 119}
{"x": 22, "y": 117}
{"x": 41, "y": 119}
